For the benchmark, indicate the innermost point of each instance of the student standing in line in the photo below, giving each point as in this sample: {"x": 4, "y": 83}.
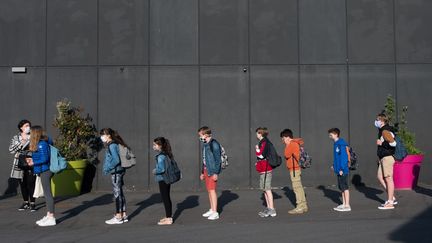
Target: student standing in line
{"x": 211, "y": 168}
{"x": 265, "y": 171}
{"x": 40, "y": 160}
{"x": 163, "y": 147}
{"x": 292, "y": 157}
{"x": 20, "y": 170}
{"x": 112, "y": 166}
{"x": 340, "y": 168}
{"x": 386, "y": 144}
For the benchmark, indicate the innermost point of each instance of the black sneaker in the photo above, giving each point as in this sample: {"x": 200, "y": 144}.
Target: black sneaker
{"x": 32, "y": 207}
{"x": 24, "y": 206}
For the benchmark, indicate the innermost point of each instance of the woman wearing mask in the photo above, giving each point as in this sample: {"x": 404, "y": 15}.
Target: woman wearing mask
{"x": 20, "y": 170}
{"x": 112, "y": 166}
{"x": 162, "y": 146}
{"x": 40, "y": 160}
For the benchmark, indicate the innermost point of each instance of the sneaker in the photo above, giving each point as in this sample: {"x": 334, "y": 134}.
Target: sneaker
{"x": 32, "y": 207}
{"x": 165, "y": 221}
{"x": 272, "y": 212}
{"x": 298, "y": 211}
{"x": 394, "y": 202}
{"x": 207, "y": 214}
{"x": 24, "y": 206}
{"x": 125, "y": 219}
{"x": 49, "y": 221}
{"x": 41, "y": 220}
{"x": 345, "y": 209}
{"x": 263, "y": 213}
{"x": 114, "y": 220}
{"x": 388, "y": 205}
{"x": 339, "y": 207}
{"x": 213, "y": 216}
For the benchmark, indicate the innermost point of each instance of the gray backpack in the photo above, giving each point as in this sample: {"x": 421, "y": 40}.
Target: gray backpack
{"x": 127, "y": 158}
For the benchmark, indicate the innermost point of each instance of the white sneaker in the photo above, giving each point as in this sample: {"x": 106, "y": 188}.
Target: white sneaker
{"x": 114, "y": 220}
{"x": 49, "y": 221}
{"x": 345, "y": 209}
{"x": 207, "y": 214}
{"x": 339, "y": 207}
{"x": 213, "y": 216}
{"x": 41, "y": 220}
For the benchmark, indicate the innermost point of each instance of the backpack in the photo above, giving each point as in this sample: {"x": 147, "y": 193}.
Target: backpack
{"x": 352, "y": 158}
{"x": 127, "y": 158}
{"x": 57, "y": 162}
{"x": 400, "y": 150}
{"x": 172, "y": 172}
{"x": 273, "y": 158}
{"x": 305, "y": 160}
{"x": 224, "y": 156}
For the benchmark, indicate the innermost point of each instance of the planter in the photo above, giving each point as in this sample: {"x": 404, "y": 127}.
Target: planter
{"x": 406, "y": 172}
{"x": 69, "y": 181}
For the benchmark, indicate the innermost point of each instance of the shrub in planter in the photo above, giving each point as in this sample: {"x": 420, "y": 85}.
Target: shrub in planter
{"x": 77, "y": 142}
{"x": 406, "y": 172}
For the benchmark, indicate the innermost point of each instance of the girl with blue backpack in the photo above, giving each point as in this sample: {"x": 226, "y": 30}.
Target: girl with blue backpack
{"x": 40, "y": 160}
{"x": 162, "y": 146}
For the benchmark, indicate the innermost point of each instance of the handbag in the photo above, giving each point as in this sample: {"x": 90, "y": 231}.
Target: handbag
{"x": 38, "y": 192}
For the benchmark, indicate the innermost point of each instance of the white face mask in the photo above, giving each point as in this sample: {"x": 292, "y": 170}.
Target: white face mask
{"x": 104, "y": 138}
{"x": 27, "y": 130}
{"x": 378, "y": 124}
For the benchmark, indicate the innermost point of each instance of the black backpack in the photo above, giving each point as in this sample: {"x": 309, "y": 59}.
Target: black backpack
{"x": 352, "y": 158}
{"x": 273, "y": 158}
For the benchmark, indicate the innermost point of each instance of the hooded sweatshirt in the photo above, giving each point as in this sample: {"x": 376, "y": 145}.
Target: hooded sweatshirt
{"x": 292, "y": 154}
{"x": 340, "y": 157}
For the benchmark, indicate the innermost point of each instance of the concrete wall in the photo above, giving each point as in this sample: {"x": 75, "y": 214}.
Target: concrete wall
{"x": 165, "y": 67}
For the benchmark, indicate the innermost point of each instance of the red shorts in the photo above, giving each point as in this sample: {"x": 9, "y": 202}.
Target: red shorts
{"x": 210, "y": 183}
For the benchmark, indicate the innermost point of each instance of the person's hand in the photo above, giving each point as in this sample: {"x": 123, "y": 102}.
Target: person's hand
{"x": 29, "y": 161}
{"x": 379, "y": 142}
{"x": 340, "y": 172}
{"x": 256, "y": 147}
{"x": 202, "y": 177}
{"x": 215, "y": 177}
{"x": 154, "y": 172}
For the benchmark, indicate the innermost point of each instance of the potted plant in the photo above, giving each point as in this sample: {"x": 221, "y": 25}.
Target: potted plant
{"x": 405, "y": 172}
{"x": 74, "y": 141}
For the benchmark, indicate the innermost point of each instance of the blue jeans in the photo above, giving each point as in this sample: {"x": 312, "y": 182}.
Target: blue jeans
{"x": 117, "y": 184}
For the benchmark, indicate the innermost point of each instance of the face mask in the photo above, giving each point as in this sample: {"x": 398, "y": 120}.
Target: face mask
{"x": 203, "y": 140}
{"x": 27, "y": 130}
{"x": 104, "y": 138}
{"x": 378, "y": 124}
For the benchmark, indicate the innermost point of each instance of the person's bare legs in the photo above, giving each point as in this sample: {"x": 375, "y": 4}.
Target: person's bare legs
{"x": 346, "y": 199}
{"x": 269, "y": 199}
{"x": 213, "y": 200}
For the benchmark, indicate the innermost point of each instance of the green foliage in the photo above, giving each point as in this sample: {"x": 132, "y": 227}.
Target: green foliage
{"x": 75, "y": 131}
{"x": 407, "y": 137}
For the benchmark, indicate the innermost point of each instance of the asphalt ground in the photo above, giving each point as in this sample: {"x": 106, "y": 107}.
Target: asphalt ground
{"x": 81, "y": 219}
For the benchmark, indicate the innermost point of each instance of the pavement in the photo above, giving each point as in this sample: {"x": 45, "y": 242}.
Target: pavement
{"x": 81, "y": 219}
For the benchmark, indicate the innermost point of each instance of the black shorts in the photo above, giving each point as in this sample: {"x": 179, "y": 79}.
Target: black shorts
{"x": 342, "y": 182}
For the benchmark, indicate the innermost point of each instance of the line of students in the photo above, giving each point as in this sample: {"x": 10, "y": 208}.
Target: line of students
{"x": 37, "y": 143}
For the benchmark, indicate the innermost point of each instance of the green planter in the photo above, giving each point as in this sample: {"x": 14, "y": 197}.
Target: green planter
{"x": 69, "y": 181}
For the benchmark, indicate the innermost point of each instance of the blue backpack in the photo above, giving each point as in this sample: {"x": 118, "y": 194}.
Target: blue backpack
{"x": 400, "y": 150}
{"x": 57, "y": 162}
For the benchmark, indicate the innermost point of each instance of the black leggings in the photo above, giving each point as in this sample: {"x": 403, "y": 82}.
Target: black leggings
{"x": 166, "y": 199}
{"x": 27, "y": 185}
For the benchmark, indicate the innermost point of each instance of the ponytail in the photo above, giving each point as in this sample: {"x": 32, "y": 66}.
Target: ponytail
{"x": 165, "y": 146}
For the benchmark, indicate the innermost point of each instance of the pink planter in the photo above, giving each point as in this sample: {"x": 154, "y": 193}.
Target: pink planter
{"x": 406, "y": 173}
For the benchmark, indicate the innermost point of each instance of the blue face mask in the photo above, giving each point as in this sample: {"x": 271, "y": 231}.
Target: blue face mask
{"x": 378, "y": 124}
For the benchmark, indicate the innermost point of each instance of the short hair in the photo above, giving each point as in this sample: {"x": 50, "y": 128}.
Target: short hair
{"x": 263, "y": 131}
{"x": 334, "y": 131}
{"x": 286, "y": 133}
{"x": 22, "y": 123}
{"x": 205, "y": 130}
{"x": 383, "y": 117}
